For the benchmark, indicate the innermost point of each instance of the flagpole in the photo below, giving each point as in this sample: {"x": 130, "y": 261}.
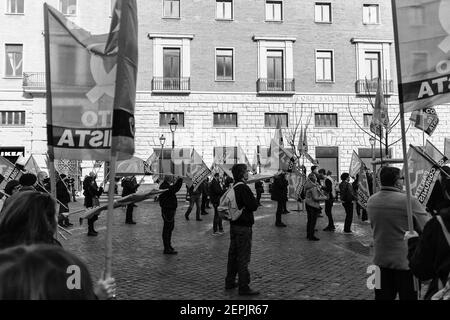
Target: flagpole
{"x": 402, "y": 121}
{"x": 109, "y": 217}
{"x": 423, "y": 127}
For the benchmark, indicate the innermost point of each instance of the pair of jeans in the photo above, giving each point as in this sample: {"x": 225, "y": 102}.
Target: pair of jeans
{"x": 348, "y": 206}
{"x": 328, "y": 207}
{"x": 393, "y": 282}
{"x": 217, "y": 222}
{"x": 281, "y": 207}
{"x": 312, "y": 214}
{"x": 129, "y": 214}
{"x": 195, "y": 199}
{"x": 168, "y": 216}
{"x": 204, "y": 202}
{"x": 239, "y": 256}
{"x": 258, "y": 196}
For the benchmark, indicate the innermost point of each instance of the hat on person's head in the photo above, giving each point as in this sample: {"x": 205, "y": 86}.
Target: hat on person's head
{"x": 10, "y": 186}
{"x": 28, "y": 179}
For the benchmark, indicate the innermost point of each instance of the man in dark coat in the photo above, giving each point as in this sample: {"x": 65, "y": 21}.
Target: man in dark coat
{"x": 279, "y": 194}
{"x": 259, "y": 188}
{"x": 130, "y": 186}
{"x": 63, "y": 196}
{"x": 168, "y": 202}
{"x": 205, "y": 196}
{"x": 91, "y": 194}
{"x": 195, "y": 197}
{"x": 215, "y": 192}
{"x": 241, "y": 234}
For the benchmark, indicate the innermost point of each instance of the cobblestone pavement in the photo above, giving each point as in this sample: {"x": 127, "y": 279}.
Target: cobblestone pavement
{"x": 284, "y": 265}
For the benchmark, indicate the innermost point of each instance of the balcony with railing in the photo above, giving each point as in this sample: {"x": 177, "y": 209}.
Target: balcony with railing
{"x": 370, "y": 87}
{"x": 171, "y": 85}
{"x": 33, "y": 82}
{"x": 275, "y": 86}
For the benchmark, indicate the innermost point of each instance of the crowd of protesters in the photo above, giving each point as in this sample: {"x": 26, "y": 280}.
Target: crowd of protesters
{"x": 30, "y": 218}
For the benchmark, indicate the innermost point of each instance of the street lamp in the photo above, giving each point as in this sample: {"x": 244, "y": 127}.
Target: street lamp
{"x": 162, "y": 141}
{"x": 173, "y": 127}
{"x": 374, "y": 168}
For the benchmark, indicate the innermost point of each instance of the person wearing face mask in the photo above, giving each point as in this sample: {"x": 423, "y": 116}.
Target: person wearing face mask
{"x": 389, "y": 221}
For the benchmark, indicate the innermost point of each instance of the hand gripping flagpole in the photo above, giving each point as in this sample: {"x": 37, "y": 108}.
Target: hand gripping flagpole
{"x": 403, "y": 131}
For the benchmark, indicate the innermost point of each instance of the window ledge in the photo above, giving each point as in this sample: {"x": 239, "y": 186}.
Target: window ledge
{"x": 325, "y": 81}
{"x": 371, "y": 24}
{"x": 277, "y": 93}
{"x": 172, "y": 18}
{"x": 224, "y": 19}
{"x": 171, "y": 91}
{"x": 224, "y": 80}
{"x": 324, "y": 22}
{"x": 276, "y": 21}
{"x": 14, "y": 14}
{"x": 13, "y": 77}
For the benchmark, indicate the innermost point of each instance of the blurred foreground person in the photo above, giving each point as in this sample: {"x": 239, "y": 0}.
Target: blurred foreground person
{"x": 45, "y": 272}
{"x": 169, "y": 203}
{"x": 389, "y": 220}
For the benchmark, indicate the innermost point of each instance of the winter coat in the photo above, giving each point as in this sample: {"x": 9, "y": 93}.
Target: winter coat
{"x": 245, "y": 199}
{"x": 313, "y": 196}
{"x": 91, "y": 191}
{"x": 168, "y": 199}
{"x": 215, "y": 191}
{"x": 63, "y": 195}
{"x": 280, "y": 188}
{"x": 129, "y": 186}
{"x": 347, "y": 192}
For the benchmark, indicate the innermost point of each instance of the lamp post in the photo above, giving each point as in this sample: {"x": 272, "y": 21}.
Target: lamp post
{"x": 173, "y": 127}
{"x": 162, "y": 141}
{"x": 374, "y": 167}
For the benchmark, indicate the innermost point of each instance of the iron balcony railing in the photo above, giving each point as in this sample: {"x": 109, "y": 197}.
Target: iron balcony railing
{"x": 371, "y": 86}
{"x": 35, "y": 80}
{"x": 171, "y": 84}
{"x": 278, "y": 85}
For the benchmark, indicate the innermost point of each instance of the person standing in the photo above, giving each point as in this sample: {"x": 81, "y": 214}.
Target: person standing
{"x": 241, "y": 234}
{"x": 169, "y": 203}
{"x": 280, "y": 196}
{"x": 389, "y": 221}
{"x": 130, "y": 186}
{"x": 347, "y": 198}
{"x": 205, "y": 190}
{"x": 259, "y": 188}
{"x": 63, "y": 196}
{"x": 91, "y": 194}
{"x": 313, "y": 196}
{"x": 330, "y": 190}
{"x": 195, "y": 197}
{"x": 215, "y": 192}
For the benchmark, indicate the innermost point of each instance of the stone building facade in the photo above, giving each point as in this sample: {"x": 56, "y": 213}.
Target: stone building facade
{"x": 227, "y": 69}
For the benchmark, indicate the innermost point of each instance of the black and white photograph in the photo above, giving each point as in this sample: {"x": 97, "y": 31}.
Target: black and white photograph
{"x": 224, "y": 157}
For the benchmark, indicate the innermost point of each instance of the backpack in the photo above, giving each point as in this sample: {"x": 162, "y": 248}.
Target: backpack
{"x": 444, "y": 289}
{"x": 228, "y": 208}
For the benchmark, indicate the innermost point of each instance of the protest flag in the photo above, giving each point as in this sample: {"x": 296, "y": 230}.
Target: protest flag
{"x": 447, "y": 147}
{"x": 425, "y": 120}
{"x": 8, "y": 172}
{"x": 380, "y": 112}
{"x": 32, "y": 166}
{"x": 279, "y": 133}
{"x": 363, "y": 192}
{"x": 355, "y": 165}
{"x": 198, "y": 171}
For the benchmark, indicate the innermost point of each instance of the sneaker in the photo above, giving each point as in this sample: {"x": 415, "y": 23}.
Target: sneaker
{"x": 329, "y": 229}
{"x": 170, "y": 252}
{"x": 313, "y": 239}
{"x": 204, "y": 213}
{"x": 231, "y": 286}
{"x": 216, "y": 233}
{"x": 198, "y": 219}
{"x": 221, "y": 232}
{"x": 92, "y": 234}
{"x": 348, "y": 232}
{"x": 281, "y": 224}
{"x": 130, "y": 222}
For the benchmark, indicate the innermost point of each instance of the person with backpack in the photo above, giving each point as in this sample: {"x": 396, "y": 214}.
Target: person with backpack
{"x": 330, "y": 190}
{"x": 215, "y": 192}
{"x": 313, "y": 196}
{"x": 347, "y": 198}
{"x": 429, "y": 253}
{"x": 169, "y": 203}
{"x": 241, "y": 234}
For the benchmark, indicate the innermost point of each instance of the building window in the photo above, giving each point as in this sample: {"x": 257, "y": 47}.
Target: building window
{"x": 271, "y": 120}
{"x": 326, "y": 120}
{"x": 171, "y": 68}
{"x": 274, "y": 10}
{"x": 68, "y": 7}
{"x": 224, "y": 64}
{"x": 367, "y": 119}
{"x": 328, "y": 158}
{"x": 324, "y": 66}
{"x": 14, "y": 59}
{"x": 224, "y": 9}
{"x": 416, "y": 15}
{"x": 371, "y": 65}
{"x": 275, "y": 70}
{"x": 171, "y": 8}
{"x": 14, "y": 7}
{"x": 225, "y": 119}
{"x": 165, "y": 117}
{"x": 323, "y": 12}
{"x": 371, "y": 14}
{"x": 12, "y": 118}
